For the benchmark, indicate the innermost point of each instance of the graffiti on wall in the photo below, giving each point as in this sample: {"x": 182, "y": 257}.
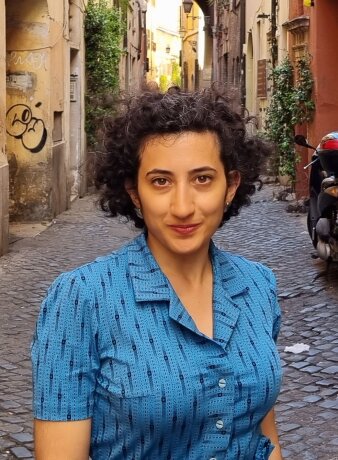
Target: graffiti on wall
{"x": 34, "y": 59}
{"x": 22, "y": 125}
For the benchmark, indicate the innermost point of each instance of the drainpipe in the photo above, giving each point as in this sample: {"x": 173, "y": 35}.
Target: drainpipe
{"x": 274, "y": 49}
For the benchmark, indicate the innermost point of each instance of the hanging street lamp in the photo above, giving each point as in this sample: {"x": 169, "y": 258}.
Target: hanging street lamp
{"x": 187, "y": 6}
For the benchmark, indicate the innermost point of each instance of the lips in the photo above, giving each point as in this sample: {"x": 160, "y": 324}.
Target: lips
{"x": 185, "y": 229}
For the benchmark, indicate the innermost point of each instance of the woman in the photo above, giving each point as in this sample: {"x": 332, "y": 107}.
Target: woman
{"x": 164, "y": 349}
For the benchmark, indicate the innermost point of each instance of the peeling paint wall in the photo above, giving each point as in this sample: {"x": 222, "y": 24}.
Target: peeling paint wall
{"x": 38, "y": 117}
{"x": 3, "y": 157}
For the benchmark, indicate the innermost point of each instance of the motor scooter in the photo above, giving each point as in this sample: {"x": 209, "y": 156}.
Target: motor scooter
{"x": 322, "y": 218}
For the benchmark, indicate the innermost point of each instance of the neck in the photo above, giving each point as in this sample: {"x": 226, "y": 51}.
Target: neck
{"x": 191, "y": 268}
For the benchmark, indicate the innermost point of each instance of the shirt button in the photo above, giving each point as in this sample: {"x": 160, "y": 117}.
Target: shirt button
{"x": 221, "y": 383}
{"x": 213, "y": 458}
{"x": 219, "y": 424}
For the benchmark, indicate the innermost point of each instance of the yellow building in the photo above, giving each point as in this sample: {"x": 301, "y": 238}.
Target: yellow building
{"x": 192, "y": 45}
{"x": 42, "y": 135}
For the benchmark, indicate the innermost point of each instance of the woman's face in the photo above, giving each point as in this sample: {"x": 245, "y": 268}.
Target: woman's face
{"x": 182, "y": 191}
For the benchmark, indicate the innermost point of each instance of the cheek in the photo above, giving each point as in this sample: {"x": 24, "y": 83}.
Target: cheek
{"x": 153, "y": 205}
{"x": 213, "y": 211}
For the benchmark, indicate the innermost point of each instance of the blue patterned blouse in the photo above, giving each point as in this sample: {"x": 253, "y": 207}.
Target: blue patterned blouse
{"x": 113, "y": 342}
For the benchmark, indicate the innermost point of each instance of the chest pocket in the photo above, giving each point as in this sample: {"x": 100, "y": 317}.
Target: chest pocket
{"x": 125, "y": 380}
{"x": 129, "y": 392}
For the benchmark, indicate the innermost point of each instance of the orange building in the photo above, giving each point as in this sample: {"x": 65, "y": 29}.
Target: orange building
{"x": 314, "y": 30}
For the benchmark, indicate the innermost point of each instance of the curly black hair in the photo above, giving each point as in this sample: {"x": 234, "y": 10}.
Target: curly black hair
{"x": 155, "y": 113}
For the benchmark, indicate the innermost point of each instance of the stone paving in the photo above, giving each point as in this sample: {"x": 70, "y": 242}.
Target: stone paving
{"x": 307, "y": 409}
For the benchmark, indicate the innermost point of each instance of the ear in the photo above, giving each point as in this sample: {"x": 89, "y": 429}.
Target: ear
{"x": 234, "y": 179}
{"x": 132, "y": 192}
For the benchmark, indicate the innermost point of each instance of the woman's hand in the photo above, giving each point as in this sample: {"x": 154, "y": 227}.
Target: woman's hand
{"x": 62, "y": 440}
{"x": 269, "y": 430}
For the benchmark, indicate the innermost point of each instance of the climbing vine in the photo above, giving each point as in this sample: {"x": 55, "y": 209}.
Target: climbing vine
{"x": 304, "y": 105}
{"x": 176, "y": 74}
{"x": 104, "y": 27}
{"x": 291, "y": 104}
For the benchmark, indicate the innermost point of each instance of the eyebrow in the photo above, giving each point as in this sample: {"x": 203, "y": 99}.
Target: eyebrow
{"x": 193, "y": 171}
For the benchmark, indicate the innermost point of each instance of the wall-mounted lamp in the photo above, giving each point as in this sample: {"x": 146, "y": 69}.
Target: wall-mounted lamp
{"x": 187, "y": 6}
{"x": 167, "y": 49}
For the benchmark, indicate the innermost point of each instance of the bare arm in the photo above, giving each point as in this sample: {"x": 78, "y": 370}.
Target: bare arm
{"x": 62, "y": 440}
{"x": 269, "y": 430}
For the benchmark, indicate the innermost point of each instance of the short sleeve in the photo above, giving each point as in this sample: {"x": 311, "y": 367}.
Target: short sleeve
{"x": 64, "y": 352}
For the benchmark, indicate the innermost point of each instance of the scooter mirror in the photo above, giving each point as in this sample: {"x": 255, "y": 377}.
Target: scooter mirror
{"x": 299, "y": 139}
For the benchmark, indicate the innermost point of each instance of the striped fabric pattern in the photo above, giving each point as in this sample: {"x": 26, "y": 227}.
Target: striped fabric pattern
{"x": 113, "y": 342}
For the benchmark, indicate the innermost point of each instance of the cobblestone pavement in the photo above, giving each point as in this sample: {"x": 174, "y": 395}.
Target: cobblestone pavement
{"x": 307, "y": 409}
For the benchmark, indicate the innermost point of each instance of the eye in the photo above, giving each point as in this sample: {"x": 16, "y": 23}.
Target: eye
{"x": 203, "y": 179}
{"x": 160, "y": 181}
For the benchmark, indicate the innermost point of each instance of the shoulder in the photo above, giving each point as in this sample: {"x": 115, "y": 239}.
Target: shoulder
{"x": 91, "y": 284}
{"x": 90, "y": 275}
{"x": 74, "y": 296}
{"x": 245, "y": 269}
{"x": 239, "y": 273}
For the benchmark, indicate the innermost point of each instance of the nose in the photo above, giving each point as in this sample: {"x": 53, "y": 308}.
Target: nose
{"x": 182, "y": 202}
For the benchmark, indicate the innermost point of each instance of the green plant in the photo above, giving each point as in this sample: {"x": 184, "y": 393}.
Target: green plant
{"x": 104, "y": 28}
{"x": 291, "y": 104}
{"x": 176, "y": 74}
{"x": 164, "y": 83}
{"x": 303, "y": 104}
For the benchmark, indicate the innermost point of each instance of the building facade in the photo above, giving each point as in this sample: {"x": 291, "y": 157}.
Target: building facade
{"x": 266, "y": 45}
{"x": 192, "y": 57}
{"x": 42, "y": 113}
{"x": 228, "y": 31}
{"x": 133, "y": 63}
{"x": 312, "y": 30}
{"x": 45, "y": 141}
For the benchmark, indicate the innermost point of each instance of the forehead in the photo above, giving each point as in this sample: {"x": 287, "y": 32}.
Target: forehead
{"x": 188, "y": 146}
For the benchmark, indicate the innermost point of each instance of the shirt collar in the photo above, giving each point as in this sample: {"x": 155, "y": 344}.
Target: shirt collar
{"x": 225, "y": 272}
{"x": 148, "y": 280}
{"x": 150, "y": 283}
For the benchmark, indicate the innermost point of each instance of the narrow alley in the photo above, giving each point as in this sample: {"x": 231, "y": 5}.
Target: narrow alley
{"x": 307, "y": 409}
